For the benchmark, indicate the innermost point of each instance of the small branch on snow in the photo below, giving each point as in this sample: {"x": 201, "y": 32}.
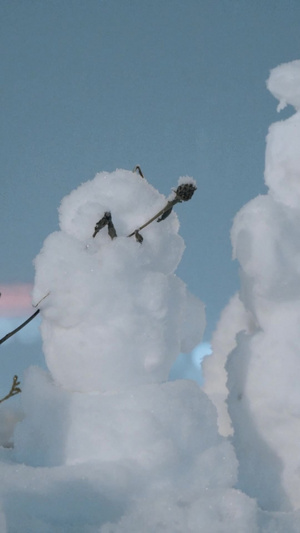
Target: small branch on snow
{"x": 38, "y": 303}
{"x": 15, "y": 389}
{"x": 183, "y": 193}
{"x": 138, "y": 169}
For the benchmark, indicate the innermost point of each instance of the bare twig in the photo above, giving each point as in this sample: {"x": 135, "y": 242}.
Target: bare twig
{"x": 15, "y": 389}
{"x": 6, "y": 337}
{"x": 183, "y": 193}
{"x": 38, "y": 303}
{"x": 138, "y": 169}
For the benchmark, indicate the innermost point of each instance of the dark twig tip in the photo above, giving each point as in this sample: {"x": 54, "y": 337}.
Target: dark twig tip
{"x": 138, "y": 169}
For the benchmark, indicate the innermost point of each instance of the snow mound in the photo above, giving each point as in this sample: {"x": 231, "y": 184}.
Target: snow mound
{"x": 264, "y": 368}
{"x": 284, "y": 84}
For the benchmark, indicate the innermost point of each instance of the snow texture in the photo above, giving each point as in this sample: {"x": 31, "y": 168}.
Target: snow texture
{"x": 116, "y": 315}
{"x": 104, "y": 443}
{"x": 234, "y": 318}
{"x": 264, "y": 367}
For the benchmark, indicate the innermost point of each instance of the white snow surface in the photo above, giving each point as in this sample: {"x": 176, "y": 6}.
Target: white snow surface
{"x": 103, "y": 442}
{"x": 284, "y": 84}
{"x": 264, "y": 365}
{"x": 233, "y": 318}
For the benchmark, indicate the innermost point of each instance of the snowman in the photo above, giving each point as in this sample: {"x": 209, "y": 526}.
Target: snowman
{"x": 114, "y": 319}
{"x": 114, "y": 314}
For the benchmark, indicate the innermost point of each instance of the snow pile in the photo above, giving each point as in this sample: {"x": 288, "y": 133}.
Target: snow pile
{"x": 114, "y": 319}
{"x": 264, "y": 368}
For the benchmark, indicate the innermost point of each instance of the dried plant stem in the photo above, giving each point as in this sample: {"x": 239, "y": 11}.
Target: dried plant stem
{"x": 167, "y": 208}
{"x": 38, "y": 303}
{"x": 183, "y": 193}
{"x": 138, "y": 169}
{"x": 15, "y": 389}
{"x": 6, "y": 337}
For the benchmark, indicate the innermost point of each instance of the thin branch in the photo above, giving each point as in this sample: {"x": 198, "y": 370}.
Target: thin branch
{"x": 167, "y": 207}
{"x": 15, "y": 389}
{"x": 6, "y": 337}
{"x": 38, "y": 303}
{"x": 138, "y": 169}
{"x": 183, "y": 193}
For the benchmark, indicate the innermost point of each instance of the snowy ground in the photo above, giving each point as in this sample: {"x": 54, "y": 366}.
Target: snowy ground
{"x": 102, "y": 441}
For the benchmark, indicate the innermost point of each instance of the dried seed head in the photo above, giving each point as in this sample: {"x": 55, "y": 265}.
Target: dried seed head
{"x": 185, "y": 191}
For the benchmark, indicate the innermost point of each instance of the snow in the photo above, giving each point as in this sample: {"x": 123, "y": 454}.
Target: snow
{"x": 233, "y": 318}
{"x": 284, "y": 84}
{"x": 103, "y": 442}
{"x": 115, "y": 309}
{"x": 263, "y": 363}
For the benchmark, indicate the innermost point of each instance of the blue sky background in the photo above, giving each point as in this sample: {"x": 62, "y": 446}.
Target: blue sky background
{"x": 176, "y": 86}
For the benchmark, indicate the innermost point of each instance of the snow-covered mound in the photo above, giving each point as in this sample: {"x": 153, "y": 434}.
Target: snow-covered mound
{"x": 264, "y": 368}
{"x": 146, "y": 461}
{"x": 142, "y": 453}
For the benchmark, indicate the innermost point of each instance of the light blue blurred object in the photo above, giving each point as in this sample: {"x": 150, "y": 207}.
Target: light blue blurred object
{"x": 189, "y": 366}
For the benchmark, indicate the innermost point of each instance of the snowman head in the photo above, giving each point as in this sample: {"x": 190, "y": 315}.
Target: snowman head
{"x": 117, "y": 204}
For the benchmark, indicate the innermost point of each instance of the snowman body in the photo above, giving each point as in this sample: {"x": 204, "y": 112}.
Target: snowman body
{"x": 115, "y": 314}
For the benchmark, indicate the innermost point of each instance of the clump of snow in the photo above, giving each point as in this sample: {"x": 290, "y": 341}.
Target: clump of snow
{"x": 156, "y": 426}
{"x": 282, "y": 154}
{"x": 234, "y": 318}
{"x": 187, "y": 180}
{"x": 264, "y": 368}
{"x": 284, "y": 84}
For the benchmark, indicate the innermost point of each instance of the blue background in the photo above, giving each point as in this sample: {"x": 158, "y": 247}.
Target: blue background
{"x": 175, "y": 86}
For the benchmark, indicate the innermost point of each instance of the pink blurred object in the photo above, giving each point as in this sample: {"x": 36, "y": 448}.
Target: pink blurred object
{"x": 15, "y": 300}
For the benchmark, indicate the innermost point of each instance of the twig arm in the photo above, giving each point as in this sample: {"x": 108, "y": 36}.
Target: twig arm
{"x": 6, "y": 337}
{"x": 167, "y": 207}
